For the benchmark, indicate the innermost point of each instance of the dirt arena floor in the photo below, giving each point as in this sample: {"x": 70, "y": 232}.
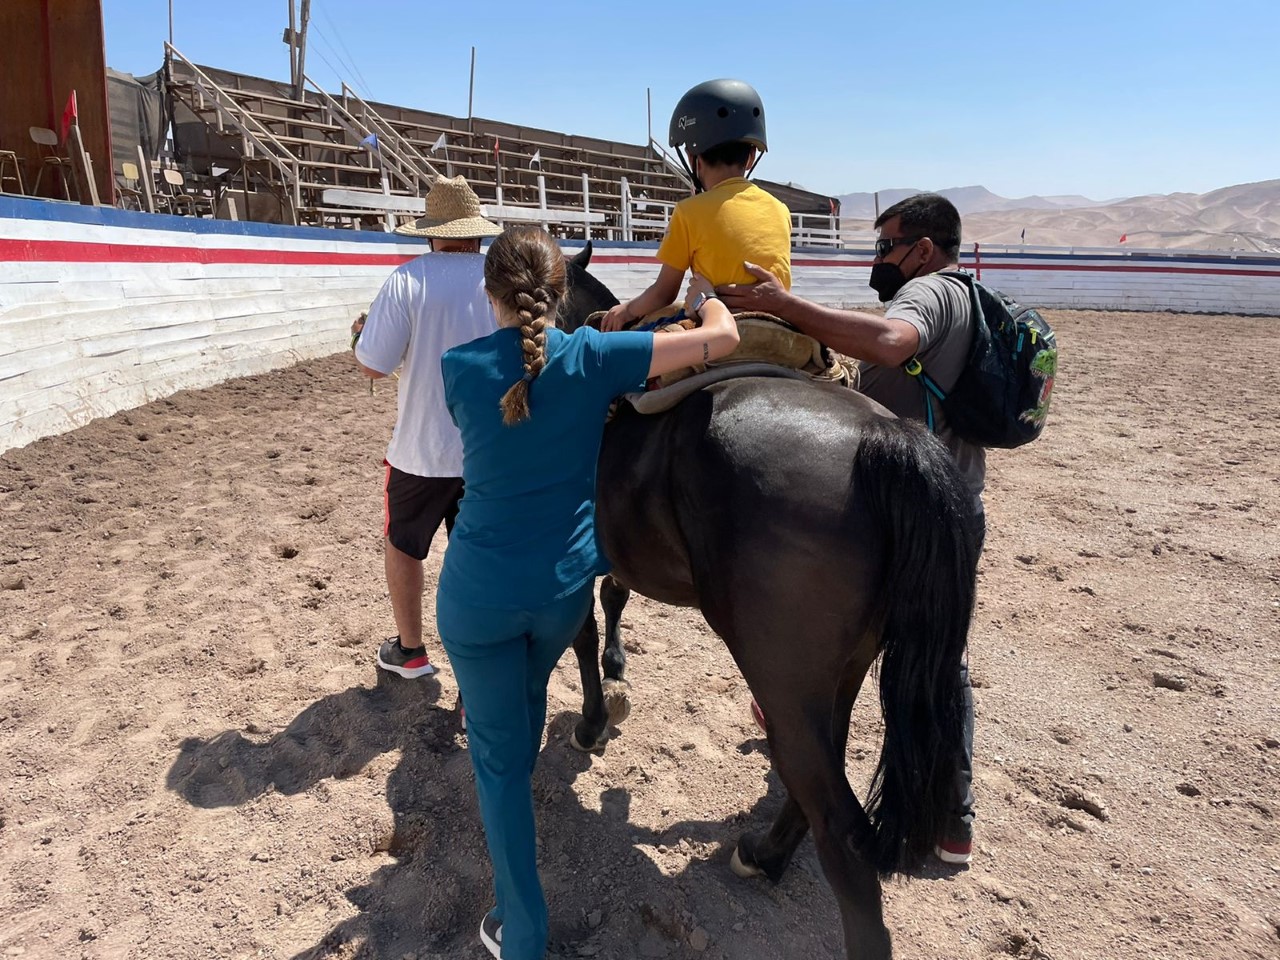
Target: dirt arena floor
{"x": 197, "y": 758}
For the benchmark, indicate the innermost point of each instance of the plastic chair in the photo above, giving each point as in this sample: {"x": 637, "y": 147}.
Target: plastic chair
{"x": 47, "y": 140}
{"x": 9, "y": 158}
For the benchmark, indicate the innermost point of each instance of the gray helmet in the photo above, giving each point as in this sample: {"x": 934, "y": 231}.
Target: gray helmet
{"x": 716, "y": 112}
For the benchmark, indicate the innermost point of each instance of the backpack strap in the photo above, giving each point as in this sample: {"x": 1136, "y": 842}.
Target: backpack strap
{"x": 914, "y": 368}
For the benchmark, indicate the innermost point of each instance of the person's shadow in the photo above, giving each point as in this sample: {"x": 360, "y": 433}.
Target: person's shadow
{"x": 614, "y": 888}
{"x": 335, "y": 737}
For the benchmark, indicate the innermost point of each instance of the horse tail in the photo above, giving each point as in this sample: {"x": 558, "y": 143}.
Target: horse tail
{"x": 920, "y": 504}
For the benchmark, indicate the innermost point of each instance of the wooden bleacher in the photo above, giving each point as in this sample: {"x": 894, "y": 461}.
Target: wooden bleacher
{"x": 315, "y": 151}
{"x": 316, "y": 141}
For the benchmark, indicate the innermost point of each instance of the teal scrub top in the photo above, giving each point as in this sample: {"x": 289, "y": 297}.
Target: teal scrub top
{"x": 525, "y": 533}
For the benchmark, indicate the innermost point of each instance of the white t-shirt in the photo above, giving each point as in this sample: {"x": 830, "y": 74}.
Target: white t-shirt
{"x": 429, "y": 305}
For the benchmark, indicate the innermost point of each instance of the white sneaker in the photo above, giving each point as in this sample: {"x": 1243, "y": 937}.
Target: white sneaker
{"x": 491, "y": 935}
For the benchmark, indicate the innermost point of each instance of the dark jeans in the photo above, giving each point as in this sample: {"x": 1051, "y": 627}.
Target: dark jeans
{"x": 961, "y": 825}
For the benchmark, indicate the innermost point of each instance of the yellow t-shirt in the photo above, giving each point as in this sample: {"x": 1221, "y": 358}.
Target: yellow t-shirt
{"x": 734, "y": 221}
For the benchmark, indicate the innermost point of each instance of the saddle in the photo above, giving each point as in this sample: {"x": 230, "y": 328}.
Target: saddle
{"x": 764, "y": 341}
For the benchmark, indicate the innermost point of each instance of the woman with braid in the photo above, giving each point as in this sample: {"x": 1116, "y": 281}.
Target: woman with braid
{"x": 530, "y": 402}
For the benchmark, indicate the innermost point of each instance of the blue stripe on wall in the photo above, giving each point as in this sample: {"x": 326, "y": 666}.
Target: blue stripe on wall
{"x": 25, "y": 208}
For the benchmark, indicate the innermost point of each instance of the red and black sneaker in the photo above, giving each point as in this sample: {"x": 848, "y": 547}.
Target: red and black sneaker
{"x": 409, "y": 662}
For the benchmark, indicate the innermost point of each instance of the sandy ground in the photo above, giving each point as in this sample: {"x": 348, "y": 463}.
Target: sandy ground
{"x": 197, "y": 758}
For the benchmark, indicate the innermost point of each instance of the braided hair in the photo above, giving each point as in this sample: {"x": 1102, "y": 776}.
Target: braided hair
{"x": 524, "y": 270}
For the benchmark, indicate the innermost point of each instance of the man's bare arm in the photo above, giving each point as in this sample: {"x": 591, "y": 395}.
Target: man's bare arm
{"x": 863, "y": 336}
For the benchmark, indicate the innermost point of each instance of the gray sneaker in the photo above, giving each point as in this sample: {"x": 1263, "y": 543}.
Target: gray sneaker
{"x": 410, "y": 665}
{"x": 491, "y": 935}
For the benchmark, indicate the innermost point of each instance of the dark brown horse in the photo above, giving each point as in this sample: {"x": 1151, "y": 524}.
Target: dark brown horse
{"x": 815, "y": 532}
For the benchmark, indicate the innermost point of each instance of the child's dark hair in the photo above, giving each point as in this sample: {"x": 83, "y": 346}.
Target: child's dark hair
{"x": 524, "y": 270}
{"x": 735, "y": 153}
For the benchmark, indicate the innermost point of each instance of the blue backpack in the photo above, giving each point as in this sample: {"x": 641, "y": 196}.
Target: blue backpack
{"x": 1001, "y": 398}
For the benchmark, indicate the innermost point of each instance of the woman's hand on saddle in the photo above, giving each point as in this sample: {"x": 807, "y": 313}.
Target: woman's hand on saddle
{"x": 766, "y": 296}
{"x": 617, "y": 318}
{"x": 716, "y": 338}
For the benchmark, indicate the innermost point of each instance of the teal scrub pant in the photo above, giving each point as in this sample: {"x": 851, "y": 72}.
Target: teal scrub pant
{"x": 503, "y": 660}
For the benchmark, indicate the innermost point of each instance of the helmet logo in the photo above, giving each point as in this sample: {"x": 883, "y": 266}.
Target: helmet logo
{"x": 686, "y": 122}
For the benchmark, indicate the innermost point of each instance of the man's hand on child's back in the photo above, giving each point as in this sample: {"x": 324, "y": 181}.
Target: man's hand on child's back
{"x": 766, "y": 296}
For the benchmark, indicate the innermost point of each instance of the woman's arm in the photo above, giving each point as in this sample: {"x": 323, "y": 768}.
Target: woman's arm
{"x": 716, "y": 338}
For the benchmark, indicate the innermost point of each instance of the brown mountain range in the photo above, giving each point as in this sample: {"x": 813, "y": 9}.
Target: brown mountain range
{"x": 1245, "y": 217}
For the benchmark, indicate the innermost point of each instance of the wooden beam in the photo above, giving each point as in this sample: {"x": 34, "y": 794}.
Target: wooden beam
{"x": 145, "y": 175}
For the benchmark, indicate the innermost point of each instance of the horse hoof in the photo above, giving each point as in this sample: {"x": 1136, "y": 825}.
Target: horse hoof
{"x": 597, "y": 747}
{"x": 617, "y": 700}
{"x": 742, "y": 869}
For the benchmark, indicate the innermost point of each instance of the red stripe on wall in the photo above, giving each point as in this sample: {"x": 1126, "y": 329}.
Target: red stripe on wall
{"x": 1129, "y": 268}
{"x": 67, "y": 251}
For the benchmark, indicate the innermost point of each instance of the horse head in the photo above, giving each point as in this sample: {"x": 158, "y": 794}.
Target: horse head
{"x": 584, "y": 294}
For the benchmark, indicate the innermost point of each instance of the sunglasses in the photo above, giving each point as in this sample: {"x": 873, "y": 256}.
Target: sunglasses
{"x": 886, "y": 244}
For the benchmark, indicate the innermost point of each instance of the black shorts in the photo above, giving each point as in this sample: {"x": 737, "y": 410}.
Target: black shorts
{"x": 415, "y": 506}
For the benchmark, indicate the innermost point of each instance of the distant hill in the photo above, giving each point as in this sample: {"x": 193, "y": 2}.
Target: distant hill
{"x": 967, "y": 200}
{"x": 1241, "y": 217}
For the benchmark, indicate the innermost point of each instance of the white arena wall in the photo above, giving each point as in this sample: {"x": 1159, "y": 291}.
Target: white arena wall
{"x": 103, "y": 310}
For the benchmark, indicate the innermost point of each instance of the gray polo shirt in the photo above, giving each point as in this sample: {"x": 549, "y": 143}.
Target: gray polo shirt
{"x": 942, "y": 314}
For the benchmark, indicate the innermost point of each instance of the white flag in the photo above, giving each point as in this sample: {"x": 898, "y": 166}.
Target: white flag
{"x": 536, "y": 158}
{"x": 438, "y": 144}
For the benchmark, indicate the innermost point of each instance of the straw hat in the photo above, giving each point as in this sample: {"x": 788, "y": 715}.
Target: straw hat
{"x": 453, "y": 212}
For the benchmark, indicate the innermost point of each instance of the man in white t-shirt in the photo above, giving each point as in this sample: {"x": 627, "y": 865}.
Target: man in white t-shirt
{"x": 430, "y": 304}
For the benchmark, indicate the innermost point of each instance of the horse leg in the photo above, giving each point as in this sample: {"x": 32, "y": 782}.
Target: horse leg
{"x": 617, "y": 691}
{"x": 812, "y": 769}
{"x": 591, "y": 733}
{"x": 769, "y": 855}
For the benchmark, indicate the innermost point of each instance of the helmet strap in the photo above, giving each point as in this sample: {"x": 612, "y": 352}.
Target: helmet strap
{"x": 689, "y": 164}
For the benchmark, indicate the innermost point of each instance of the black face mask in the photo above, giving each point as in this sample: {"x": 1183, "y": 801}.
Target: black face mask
{"x": 887, "y": 278}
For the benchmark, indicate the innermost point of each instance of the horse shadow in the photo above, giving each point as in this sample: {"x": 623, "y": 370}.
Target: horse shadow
{"x": 601, "y": 873}
{"x": 612, "y": 884}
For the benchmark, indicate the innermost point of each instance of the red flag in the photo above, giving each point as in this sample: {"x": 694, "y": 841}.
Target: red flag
{"x": 1124, "y": 237}
{"x": 68, "y": 114}
{"x": 832, "y": 201}
{"x": 496, "y": 142}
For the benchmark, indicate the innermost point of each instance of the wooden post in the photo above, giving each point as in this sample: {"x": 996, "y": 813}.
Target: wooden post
{"x": 144, "y": 175}
{"x": 625, "y": 194}
{"x": 83, "y": 169}
{"x": 648, "y": 96}
{"x": 386, "y": 192}
{"x": 471, "y": 90}
{"x": 293, "y": 40}
{"x": 302, "y": 50}
{"x": 586, "y": 206}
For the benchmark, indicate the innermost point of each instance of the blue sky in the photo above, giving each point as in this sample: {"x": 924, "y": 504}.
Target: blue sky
{"x": 1105, "y": 99}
